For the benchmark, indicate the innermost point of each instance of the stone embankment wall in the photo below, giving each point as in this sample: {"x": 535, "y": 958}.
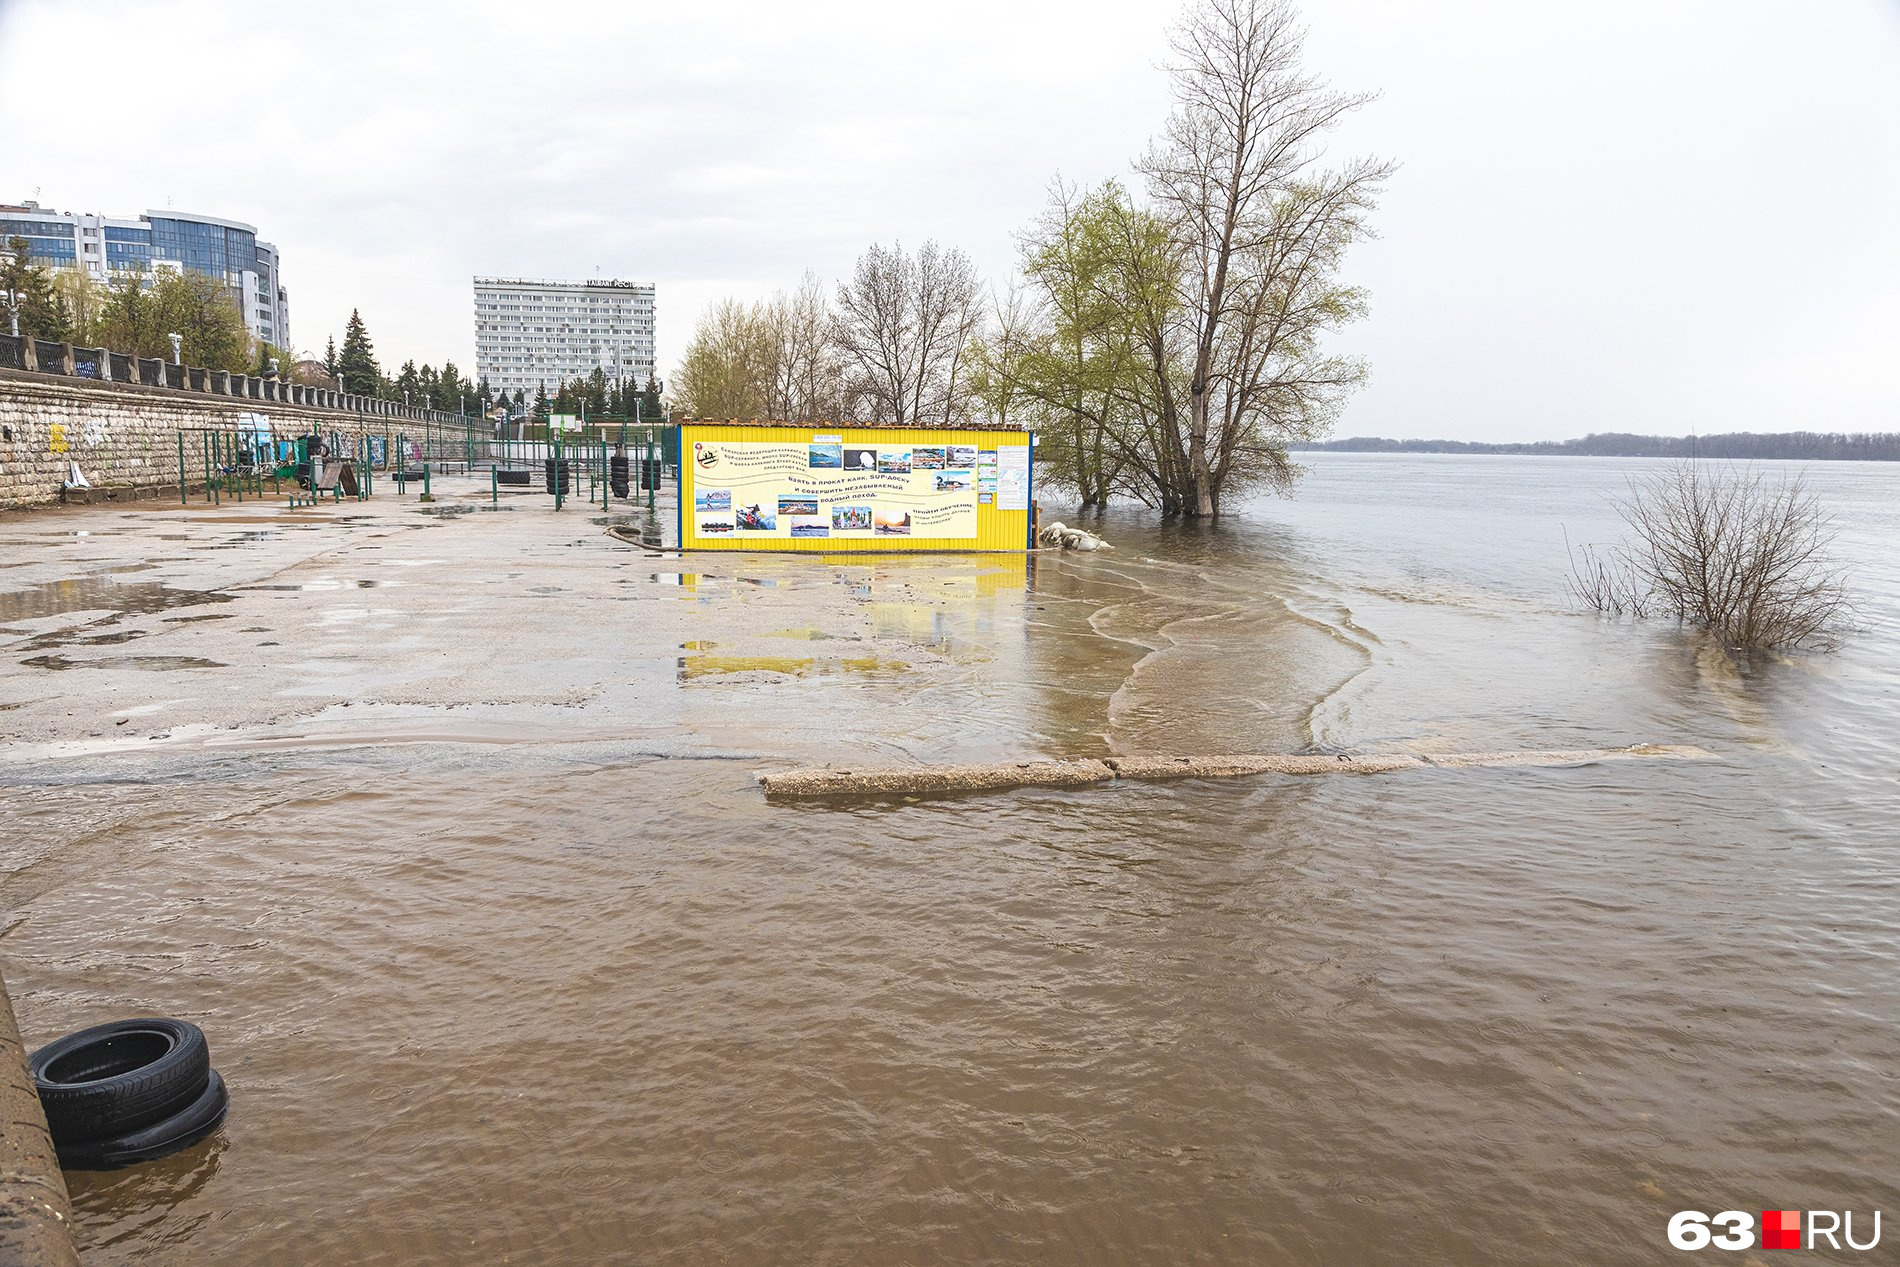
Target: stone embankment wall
{"x": 119, "y": 419}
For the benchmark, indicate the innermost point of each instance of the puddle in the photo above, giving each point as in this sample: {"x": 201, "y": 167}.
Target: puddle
{"x": 674, "y": 578}
{"x": 805, "y": 635}
{"x": 153, "y": 663}
{"x": 96, "y": 593}
{"x": 111, "y": 639}
{"x": 325, "y": 585}
{"x": 698, "y": 666}
{"x": 186, "y": 620}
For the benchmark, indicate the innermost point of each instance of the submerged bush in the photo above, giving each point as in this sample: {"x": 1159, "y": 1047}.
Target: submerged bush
{"x": 1726, "y": 550}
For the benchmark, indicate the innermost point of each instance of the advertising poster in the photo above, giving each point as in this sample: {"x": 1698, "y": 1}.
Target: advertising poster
{"x": 821, "y": 488}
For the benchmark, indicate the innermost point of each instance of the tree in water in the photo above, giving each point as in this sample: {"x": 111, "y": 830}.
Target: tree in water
{"x": 1723, "y": 549}
{"x": 1260, "y": 226}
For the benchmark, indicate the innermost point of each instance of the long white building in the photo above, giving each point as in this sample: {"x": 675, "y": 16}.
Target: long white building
{"x": 528, "y": 333}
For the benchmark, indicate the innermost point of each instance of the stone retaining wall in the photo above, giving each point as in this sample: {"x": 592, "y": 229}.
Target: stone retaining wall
{"x": 125, "y": 435}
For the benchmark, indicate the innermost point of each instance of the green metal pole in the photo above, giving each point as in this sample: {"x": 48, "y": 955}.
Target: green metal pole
{"x": 494, "y": 487}
{"x": 606, "y": 484}
{"x": 648, "y": 474}
{"x": 181, "y": 470}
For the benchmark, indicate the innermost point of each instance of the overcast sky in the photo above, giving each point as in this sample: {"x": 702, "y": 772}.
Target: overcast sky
{"x": 1644, "y": 215}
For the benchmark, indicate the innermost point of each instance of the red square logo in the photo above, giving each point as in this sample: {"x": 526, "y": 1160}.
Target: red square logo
{"x": 1781, "y": 1229}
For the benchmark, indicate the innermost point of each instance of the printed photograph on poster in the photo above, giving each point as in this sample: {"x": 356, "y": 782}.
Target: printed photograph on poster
{"x": 707, "y": 455}
{"x": 986, "y": 458}
{"x": 851, "y": 518}
{"x": 985, "y": 499}
{"x": 712, "y": 499}
{"x": 960, "y": 455}
{"x": 893, "y": 461}
{"x": 860, "y": 459}
{"x": 714, "y": 525}
{"x": 755, "y": 518}
{"x": 892, "y": 523}
{"x": 825, "y": 457}
{"x": 953, "y": 481}
{"x": 810, "y": 526}
{"x": 926, "y": 459}
{"x": 798, "y": 505}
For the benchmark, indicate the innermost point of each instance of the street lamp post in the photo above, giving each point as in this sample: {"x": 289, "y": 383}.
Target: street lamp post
{"x": 178, "y": 341}
{"x": 13, "y": 307}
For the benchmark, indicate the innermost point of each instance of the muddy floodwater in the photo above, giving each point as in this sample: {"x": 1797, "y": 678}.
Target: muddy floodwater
{"x": 445, "y": 828}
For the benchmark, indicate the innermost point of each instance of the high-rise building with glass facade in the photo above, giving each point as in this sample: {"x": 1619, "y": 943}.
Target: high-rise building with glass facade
{"x": 224, "y": 249}
{"x": 529, "y": 333}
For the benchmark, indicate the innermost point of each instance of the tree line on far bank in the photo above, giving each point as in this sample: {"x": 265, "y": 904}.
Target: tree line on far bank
{"x": 1168, "y": 344}
{"x": 1817, "y": 446}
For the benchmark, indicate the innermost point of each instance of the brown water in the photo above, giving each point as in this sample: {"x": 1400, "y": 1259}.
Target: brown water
{"x": 594, "y": 1001}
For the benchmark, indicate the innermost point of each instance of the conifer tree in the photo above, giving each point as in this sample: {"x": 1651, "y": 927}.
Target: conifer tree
{"x": 357, "y": 361}
{"x": 42, "y": 311}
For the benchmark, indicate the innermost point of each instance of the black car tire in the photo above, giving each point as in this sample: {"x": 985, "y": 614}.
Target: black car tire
{"x": 119, "y": 1077}
{"x": 159, "y": 1139}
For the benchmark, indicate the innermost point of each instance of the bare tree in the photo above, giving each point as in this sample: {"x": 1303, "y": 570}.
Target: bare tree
{"x": 903, "y": 328}
{"x": 797, "y": 333}
{"x": 1725, "y": 550}
{"x": 1244, "y": 138}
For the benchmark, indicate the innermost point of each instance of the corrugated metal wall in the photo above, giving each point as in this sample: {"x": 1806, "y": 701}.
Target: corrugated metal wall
{"x": 995, "y": 529}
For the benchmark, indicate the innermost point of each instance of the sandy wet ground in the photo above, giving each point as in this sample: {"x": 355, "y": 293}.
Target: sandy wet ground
{"x": 254, "y": 624}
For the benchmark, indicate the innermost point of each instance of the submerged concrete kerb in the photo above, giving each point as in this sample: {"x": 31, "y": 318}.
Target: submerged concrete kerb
{"x": 949, "y": 778}
{"x": 1000, "y": 776}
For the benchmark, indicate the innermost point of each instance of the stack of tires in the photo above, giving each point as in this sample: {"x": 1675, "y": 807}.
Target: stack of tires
{"x": 128, "y": 1091}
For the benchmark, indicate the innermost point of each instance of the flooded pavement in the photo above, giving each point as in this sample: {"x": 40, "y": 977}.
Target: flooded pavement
{"x": 506, "y": 959}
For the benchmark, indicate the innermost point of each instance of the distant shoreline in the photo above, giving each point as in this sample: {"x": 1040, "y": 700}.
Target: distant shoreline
{"x": 1801, "y": 446}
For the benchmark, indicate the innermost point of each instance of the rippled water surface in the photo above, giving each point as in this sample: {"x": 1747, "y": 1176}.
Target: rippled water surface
{"x": 576, "y": 1002}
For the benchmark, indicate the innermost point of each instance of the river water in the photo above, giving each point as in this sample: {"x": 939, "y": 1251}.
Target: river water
{"x": 597, "y": 1002}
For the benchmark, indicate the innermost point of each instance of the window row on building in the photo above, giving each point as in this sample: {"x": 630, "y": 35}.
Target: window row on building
{"x": 530, "y": 334}
{"x": 224, "y": 249}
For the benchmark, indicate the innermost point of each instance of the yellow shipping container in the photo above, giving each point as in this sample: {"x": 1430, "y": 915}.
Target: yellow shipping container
{"x": 831, "y": 489}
